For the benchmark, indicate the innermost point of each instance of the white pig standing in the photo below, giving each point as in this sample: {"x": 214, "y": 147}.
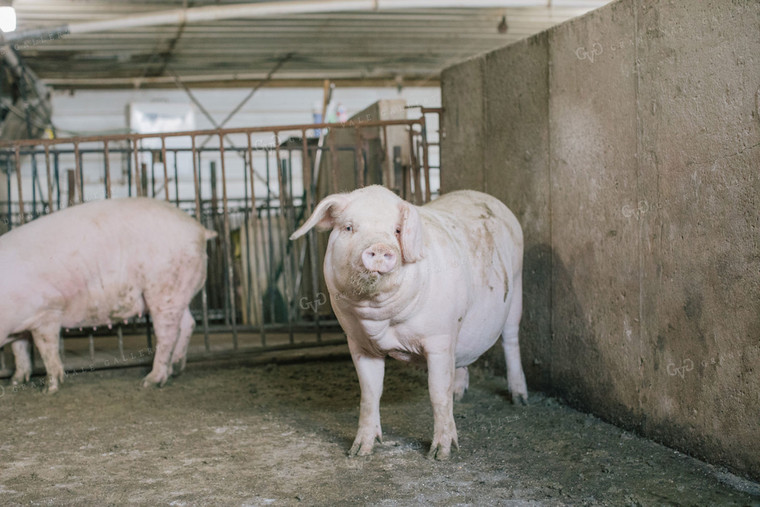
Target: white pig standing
{"x": 438, "y": 283}
{"x": 97, "y": 264}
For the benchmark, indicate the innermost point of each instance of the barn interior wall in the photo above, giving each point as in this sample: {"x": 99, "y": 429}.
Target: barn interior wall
{"x": 628, "y": 143}
{"x": 95, "y": 112}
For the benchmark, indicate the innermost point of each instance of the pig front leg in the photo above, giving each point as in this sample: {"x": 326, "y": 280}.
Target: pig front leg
{"x": 370, "y": 371}
{"x": 440, "y": 384}
{"x": 46, "y": 337}
{"x": 22, "y": 353}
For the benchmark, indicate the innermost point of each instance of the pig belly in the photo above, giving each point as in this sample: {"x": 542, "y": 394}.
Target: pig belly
{"x": 480, "y": 329}
{"x": 104, "y": 309}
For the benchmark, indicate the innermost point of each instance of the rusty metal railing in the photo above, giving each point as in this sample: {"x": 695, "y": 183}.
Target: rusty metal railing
{"x": 253, "y": 186}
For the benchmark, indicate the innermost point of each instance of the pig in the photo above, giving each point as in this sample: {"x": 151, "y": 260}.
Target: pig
{"x": 435, "y": 284}
{"x": 98, "y": 264}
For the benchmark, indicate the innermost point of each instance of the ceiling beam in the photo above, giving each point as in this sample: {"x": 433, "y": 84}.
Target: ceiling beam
{"x": 209, "y": 13}
{"x": 216, "y": 81}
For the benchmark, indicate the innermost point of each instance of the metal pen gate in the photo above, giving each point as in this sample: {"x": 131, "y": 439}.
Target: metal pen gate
{"x": 251, "y": 185}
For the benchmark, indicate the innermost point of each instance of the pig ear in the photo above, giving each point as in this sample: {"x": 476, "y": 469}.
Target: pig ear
{"x": 324, "y": 215}
{"x": 411, "y": 233}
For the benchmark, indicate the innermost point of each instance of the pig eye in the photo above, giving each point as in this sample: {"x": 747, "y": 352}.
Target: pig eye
{"x": 398, "y": 230}
{"x": 349, "y": 228}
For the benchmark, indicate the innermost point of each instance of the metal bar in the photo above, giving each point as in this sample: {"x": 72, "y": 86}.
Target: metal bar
{"x": 199, "y": 217}
{"x": 176, "y": 178}
{"x": 17, "y": 158}
{"x": 152, "y": 175}
{"x": 163, "y": 162}
{"x": 414, "y": 175}
{"x": 289, "y": 185}
{"x": 148, "y": 333}
{"x": 359, "y": 159}
{"x": 129, "y": 169}
{"x": 255, "y": 228}
{"x": 57, "y": 179}
{"x": 284, "y": 231}
{"x": 387, "y": 166}
{"x": 106, "y": 156}
{"x": 228, "y": 247}
{"x": 333, "y": 163}
{"x": 8, "y": 183}
{"x": 290, "y": 215}
{"x": 407, "y": 191}
{"x": 208, "y": 132}
{"x": 425, "y": 161}
{"x": 417, "y": 184}
{"x": 196, "y": 182}
{"x": 309, "y": 186}
{"x": 306, "y": 168}
{"x": 246, "y": 277}
{"x": 78, "y": 183}
{"x": 120, "y": 341}
{"x": 269, "y": 257}
{"x": 92, "y": 347}
{"x": 35, "y": 181}
{"x": 138, "y": 177}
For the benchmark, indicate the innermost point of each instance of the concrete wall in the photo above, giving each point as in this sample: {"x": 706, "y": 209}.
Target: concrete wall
{"x": 628, "y": 143}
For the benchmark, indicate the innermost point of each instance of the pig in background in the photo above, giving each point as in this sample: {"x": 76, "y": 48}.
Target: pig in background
{"x": 437, "y": 283}
{"x": 97, "y": 264}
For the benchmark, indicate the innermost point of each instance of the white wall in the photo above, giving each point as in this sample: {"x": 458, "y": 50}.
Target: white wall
{"x": 100, "y": 112}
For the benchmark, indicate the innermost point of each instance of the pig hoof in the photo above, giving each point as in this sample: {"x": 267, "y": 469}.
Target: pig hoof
{"x": 439, "y": 453}
{"x": 179, "y": 366}
{"x": 360, "y": 450}
{"x": 51, "y": 389}
{"x": 364, "y": 444}
{"x": 520, "y": 399}
{"x": 20, "y": 378}
{"x": 152, "y": 380}
{"x": 441, "y": 448}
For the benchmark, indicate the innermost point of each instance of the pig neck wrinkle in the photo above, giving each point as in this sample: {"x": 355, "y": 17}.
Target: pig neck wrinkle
{"x": 393, "y": 307}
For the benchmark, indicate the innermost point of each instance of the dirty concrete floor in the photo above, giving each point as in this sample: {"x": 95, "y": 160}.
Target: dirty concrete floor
{"x": 246, "y": 433}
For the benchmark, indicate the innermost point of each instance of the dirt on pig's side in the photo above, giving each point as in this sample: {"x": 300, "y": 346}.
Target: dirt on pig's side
{"x": 240, "y": 433}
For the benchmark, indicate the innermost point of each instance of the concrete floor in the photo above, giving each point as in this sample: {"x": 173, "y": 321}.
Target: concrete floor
{"x": 274, "y": 428}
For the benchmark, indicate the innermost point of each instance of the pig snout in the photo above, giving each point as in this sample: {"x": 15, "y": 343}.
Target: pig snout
{"x": 380, "y": 258}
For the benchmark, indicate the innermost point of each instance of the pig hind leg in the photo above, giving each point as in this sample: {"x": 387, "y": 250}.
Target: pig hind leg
{"x": 511, "y": 343}
{"x": 461, "y": 382}
{"x": 179, "y": 354}
{"x": 166, "y": 325}
{"x": 47, "y": 337}
{"x": 22, "y": 352}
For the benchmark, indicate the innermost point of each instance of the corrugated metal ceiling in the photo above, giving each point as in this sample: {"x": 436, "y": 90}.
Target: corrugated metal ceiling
{"x": 362, "y": 47}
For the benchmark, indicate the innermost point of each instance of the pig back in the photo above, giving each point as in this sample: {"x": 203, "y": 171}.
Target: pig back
{"x": 93, "y": 261}
{"x": 97, "y": 229}
{"x": 478, "y": 224}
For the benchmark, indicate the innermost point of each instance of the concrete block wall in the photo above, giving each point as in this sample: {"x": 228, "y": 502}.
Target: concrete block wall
{"x": 628, "y": 143}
